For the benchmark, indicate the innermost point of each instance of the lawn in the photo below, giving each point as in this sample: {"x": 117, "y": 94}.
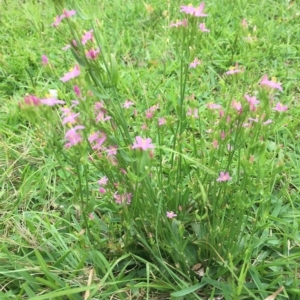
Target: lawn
{"x": 149, "y": 149}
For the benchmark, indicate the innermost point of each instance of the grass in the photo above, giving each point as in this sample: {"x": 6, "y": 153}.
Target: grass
{"x": 63, "y": 239}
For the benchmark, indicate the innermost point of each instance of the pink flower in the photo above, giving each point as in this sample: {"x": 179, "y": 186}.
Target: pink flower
{"x": 143, "y": 144}
{"x": 244, "y": 23}
{"x": 70, "y": 118}
{"x": 99, "y": 105}
{"x": 268, "y": 122}
{"x": 102, "y": 190}
{"x": 99, "y": 141}
{"x": 101, "y": 117}
{"x": 224, "y": 177}
{"x": 72, "y": 74}
{"x": 149, "y": 114}
{"x": 52, "y": 101}
{"x": 252, "y": 102}
{"x": 182, "y": 23}
{"x": 57, "y": 21}
{"x": 45, "y": 60}
{"x": 65, "y": 48}
{"x": 195, "y": 63}
{"x": 171, "y": 214}
{"x": 127, "y": 104}
{"x": 280, "y": 107}
{"x": 112, "y": 150}
{"x": 92, "y": 54}
{"x": 93, "y": 137}
{"x": 161, "y": 121}
{"x": 270, "y": 83}
{"x": 120, "y": 199}
{"x": 213, "y": 106}
{"x": 223, "y": 135}
{"x": 32, "y": 100}
{"x": 198, "y": 11}
{"x": 188, "y": 9}
{"x": 193, "y": 112}
{"x": 234, "y": 70}
{"x": 103, "y": 181}
{"x": 68, "y": 14}
{"x": 87, "y": 36}
{"x": 73, "y": 137}
{"x": 77, "y": 90}
{"x": 203, "y": 28}
{"x": 237, "y": 105}
{"x": 215, "y": 144}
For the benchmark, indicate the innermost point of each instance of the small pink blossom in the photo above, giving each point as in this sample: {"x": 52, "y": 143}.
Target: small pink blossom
{"x": 149, "y": 114}
{"x": 193, "y": 113}
{"x": 171, "y": 214}
{"x": 52, "y": 101}
{"x": 213, "y": 106}
{"x": 215, "y": 144}
{"x": 70, "y": 118}
{"x": 77, "y": 90}
{"x": 280, "y": 107}
{"x": 68, "y": 14}
{"x": 195, "y": 63}
{"x": 32, "y": 100}
{"x": 244, "y": 23}
{"x": 198, "y": 12}
{"x": 194, "y": 11}
{"x": 103, "y": 181}
{"x": 99, "y": 142}
{"x": 161, "y": 121}
{"x": 223, "y": 135}
{"x": 237, "y": 105}
{"x": 125, "y": 198}
{"x": 101, "y": 117}
{"x": 99, "y": 105}
{"x": 93, "y": 137}
{"x": 143, "y": 144}
{"x": 267, "y": 122}
{"x": 65, "y": 48}
{"x": 188, "y": 9}
{"x": 270, "y": 83}
{"x": 112, "y": 150}
{"x": 91, "y": 216}
{"x": 87, "y": 36}
{"x": 57, "y": 21}
{"x": 72, "y": 74}
{"x": 144, "y": 127}
{"x": 224, "y": 177}
{"x": 92, "y": 54}
{"x": 102, "y": 190}
{"x": 203, "y": 28}
{"x": 252, "y": 102}
{"x": 182, "y": 23}
{"x": 73, "y": 137}
{"x": 45, "y": 60}
{"x": 127, "y": 104}
{"x": 234, "y": 70}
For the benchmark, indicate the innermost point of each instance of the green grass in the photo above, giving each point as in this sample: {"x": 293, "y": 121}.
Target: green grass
{"x": 244, "y": 233}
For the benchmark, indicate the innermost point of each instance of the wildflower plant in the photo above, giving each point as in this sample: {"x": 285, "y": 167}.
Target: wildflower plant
{"x": 179, "y": 188}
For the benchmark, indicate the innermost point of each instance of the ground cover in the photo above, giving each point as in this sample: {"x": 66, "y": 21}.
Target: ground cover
{"x": 149, "y": 150}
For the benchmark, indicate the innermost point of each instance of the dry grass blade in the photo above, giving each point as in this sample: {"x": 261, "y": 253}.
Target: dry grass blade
{"x": 273, "y": 296}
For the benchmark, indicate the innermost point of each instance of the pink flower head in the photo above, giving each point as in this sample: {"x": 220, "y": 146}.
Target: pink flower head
{"x": 270, "y": 83}
{"x": 92, "y": 54}
{"x": 68, "y": 14}
{"x": 203, "y": 28}
{"x": 99, "y": 141}
{"x": 112, "y": 150}
{"x": 125, "y": 198}
{"x": 45, "y": 60}
{"x": 171, "y": 214}
{"x": 87, "y": 36}
{"x": 193, "y": 112}
{"x": 149, "y": 114}
{"x": 52, "y": 101}
{"x": 280, "y": 107}
{"x": 127, "y": 104}
{"x": 32, "y": 100}
{"x": 93, "y": 137}
{"x": 101, "y": 117}
{"x": 252, "y": 102}
{"x": 57, "y": 21}
{"x": 215, "y": 144}
{"x": 72, "y": 74}
{"x": 103, "y": 181}
{"x": 70, "y": 118}
{"x": 237, "y": 105}
{"x": 182, "y": 23}
{"x": 188, "y": 9}
{"x": 195, "y": 63}
{"x": 143, "y": 144}
{"x": 161, "y": 121}
{"x": 77, "y": 90}
{"x": 198, "y": 11}
{"x": 99, "y": 105}
{"x": 214, "y": 106}
{"x": 73, "y": 137}
{"x": 224, "y": 177}
{"x": 267, "y": 122}
{"x": 234, "y": 70}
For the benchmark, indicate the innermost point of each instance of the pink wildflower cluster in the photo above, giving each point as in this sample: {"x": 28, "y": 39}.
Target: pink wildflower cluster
{"x": 224, "y": 177}
{"x": 66, "y": 14}
{"x": 73, "y": 137}
{"x": 121, "y": 199}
